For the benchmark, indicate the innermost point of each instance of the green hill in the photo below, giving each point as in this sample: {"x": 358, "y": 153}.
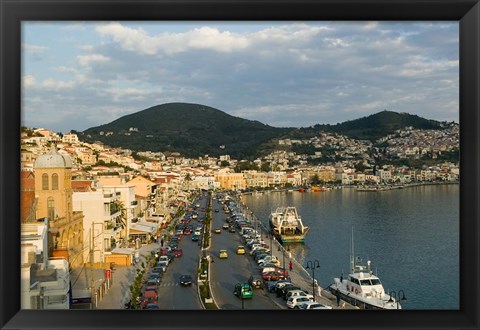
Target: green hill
{"x": 195, "y": 130}
{"x": 378, "y": 125}
{"x": 191, "y": 129}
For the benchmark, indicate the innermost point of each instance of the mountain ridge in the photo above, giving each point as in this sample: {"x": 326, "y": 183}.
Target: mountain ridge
{"x": 195, "y": 130}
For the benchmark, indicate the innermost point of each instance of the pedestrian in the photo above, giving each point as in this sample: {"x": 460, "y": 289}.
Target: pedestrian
{"x": 337, "y": 293}
{"x": 161, "y": 242}
{"x": 290, "y": 265}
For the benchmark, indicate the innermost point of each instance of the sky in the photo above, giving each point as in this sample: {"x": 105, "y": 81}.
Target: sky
{"x": 76, "y": 75}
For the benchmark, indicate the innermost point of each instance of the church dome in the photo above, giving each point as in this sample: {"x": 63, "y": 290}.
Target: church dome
{"x": 53, "y": 159}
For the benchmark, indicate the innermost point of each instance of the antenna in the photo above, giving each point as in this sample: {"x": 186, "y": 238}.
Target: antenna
{"x": 352, "y": 255}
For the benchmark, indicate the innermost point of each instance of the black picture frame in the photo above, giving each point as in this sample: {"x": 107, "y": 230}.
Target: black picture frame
{"x": 13, "y": 12}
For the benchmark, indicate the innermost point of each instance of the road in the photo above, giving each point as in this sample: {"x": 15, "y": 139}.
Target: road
{"x": 225, "y": 273}
{"x": 171, "y": 294}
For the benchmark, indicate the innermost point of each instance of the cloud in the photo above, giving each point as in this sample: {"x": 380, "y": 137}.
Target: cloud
{"x": 34, "y": 48}
{"x": 87, "y": 60}
{"x": 138, "y": 40}
{"x": 282, "y": 74}
{"x": 28, "y": 81}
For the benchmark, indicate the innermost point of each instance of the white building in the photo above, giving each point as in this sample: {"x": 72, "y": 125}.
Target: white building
{"x": 45, "y": 282}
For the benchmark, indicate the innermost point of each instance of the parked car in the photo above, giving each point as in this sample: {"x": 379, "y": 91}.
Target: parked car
{"x": 185, "y": 280}
{"x": 268, "y": 258}
{"x": 295, "y": 302}
{"x": 256, "y": 282}
{"x": 152, "y": 306}
{"x": 313, "y": 305}
{"x": 164, "y": 258}
{"x": 283, "y": 291}
{"x": 150, "y": 297}
{"x": 240, "y": 249}
{"x": 197, "y": 232}
{"x": 151, "y": 288}
{"x": 273, "y": 287}
{"x": 299, "y": 293}
{"x": 274, "y": 262}
{"x": 231, "y": 229}
{"x": 222, "y": 254}
{"x": 187, "y": 231}
{"x": 283, "y": 271}
{"x": 152, "y": 283}
{"x": 225, "y": 226}
{"x": 273, "y": 276}
{"x": 195, "y": 238}
{"x": 162, "y": 265}
{"x": 244, "y": 291}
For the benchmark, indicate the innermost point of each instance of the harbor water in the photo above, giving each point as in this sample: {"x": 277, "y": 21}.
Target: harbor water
{"x": 410, "y": 235}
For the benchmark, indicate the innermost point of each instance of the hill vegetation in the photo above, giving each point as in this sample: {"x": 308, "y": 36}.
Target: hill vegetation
{"x": 195, "y": 130}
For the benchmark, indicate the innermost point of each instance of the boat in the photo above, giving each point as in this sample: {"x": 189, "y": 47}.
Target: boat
{"x": 302, "y": 189}
{"x": 287, "y": 226}
{"x": 362, "y": 288}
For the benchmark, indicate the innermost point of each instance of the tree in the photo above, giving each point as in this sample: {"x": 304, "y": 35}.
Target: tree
{"x": 315, "y": 179}
{"x": 224, "y": 163}
{"x": 265, "y": 167}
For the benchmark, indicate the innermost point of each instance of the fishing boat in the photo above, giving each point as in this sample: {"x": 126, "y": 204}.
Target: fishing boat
{"x": 287, "y": 226}
{"x": 364, "y": 289}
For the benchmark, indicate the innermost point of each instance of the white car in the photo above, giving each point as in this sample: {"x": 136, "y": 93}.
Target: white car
{"x": 299, "y": 293}
{"x": 267, "y": 259}
{"x": 165, "y": 259}
{"x": 197, "y": 232}
{"x": 313, "y": 305}
{"x": 296, "y": 302}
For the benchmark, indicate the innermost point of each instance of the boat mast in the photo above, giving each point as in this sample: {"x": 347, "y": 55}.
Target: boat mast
{"x": 352, "y": 255}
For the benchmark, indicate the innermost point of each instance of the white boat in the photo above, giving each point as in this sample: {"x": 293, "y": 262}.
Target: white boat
{"x": 287, "y": 225}
{"x": 362, "y": 288}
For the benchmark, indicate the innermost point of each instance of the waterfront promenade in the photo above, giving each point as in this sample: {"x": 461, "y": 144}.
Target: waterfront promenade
{"x": 301, "y": 277}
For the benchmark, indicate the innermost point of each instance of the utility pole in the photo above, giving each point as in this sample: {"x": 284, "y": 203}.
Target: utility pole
{"x": 92, "y": 289}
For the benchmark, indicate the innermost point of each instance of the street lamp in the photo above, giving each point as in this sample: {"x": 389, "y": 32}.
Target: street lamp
{"x": 313, "y": 264}
{"x": 401, "y": 296}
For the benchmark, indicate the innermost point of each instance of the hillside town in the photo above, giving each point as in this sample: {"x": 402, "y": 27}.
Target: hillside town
{"x": 91, "y": 205}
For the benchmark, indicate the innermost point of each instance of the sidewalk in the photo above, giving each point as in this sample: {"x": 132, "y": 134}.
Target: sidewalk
{"x": 118, "y": 293}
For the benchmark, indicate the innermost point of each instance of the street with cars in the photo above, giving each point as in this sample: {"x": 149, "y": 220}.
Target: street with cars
{"x": 243, "y": 271}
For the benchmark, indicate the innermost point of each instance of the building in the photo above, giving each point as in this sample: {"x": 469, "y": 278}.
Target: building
{"x": 45, "y": 282}
{"x": 53, "y": 191}
{"x": 231, "y": 181}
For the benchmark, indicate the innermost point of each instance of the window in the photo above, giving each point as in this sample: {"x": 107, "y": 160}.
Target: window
{"x": 54, "y": 181}
{"x": 44, "y": 181}
{"x": 51, "y": 208}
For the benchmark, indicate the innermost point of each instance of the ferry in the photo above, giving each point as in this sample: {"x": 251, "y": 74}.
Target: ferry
{"x": 363, "y": 289}
{"x": 286, "y": 225}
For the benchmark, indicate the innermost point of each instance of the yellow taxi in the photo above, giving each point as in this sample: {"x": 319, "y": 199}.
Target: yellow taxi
{"x": 240, "y": 249}
{"x": 222, "y": 254}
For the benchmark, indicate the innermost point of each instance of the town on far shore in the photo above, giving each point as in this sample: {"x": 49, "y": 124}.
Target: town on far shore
{"x": 88, "y": 204}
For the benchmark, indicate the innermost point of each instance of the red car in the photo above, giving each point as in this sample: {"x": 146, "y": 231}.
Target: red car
{"x": 177, "y": 237}
{"x": 177, "y": 252}
{"x": 273, "y": 276}
{"x": 187, "y": 231}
